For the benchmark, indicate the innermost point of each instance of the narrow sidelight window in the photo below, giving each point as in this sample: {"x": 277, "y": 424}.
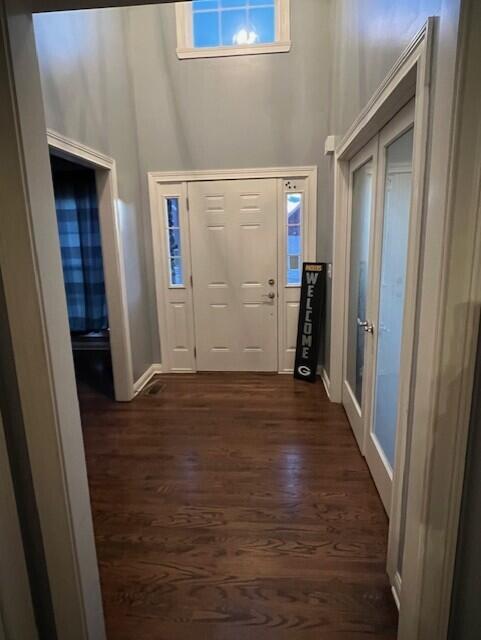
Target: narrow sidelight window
{"x": 294, "y": 205}
{"x": 174, "y": 249}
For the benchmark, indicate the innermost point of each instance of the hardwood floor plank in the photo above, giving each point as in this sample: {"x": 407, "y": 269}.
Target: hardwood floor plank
{"x": 235, "y": 507}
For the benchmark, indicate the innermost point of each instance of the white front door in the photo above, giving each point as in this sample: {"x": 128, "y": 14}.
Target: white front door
{"x": 233, "y": 229}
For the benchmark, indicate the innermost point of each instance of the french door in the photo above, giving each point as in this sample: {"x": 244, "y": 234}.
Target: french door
{"x": 379, "y": 215}
{"x": 357, "y": 357}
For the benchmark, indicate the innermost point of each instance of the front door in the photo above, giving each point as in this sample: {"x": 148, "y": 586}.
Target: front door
{"x": 233, "y": 228}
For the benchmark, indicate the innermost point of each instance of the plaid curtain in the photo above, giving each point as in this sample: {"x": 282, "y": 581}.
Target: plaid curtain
{"x": 78, "y": 224}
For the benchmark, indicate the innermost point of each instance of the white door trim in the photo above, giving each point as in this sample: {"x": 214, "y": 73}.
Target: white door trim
{"x": 17, "y": 618}
{"x": 449, "y": 320}
{"x": 162, "y": 183}
{"x": 113, "y": 260}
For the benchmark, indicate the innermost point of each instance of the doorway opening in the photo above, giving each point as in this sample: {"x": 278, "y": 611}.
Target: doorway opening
{"x": 76, "y": 205}
{"x": 93, "y": 264}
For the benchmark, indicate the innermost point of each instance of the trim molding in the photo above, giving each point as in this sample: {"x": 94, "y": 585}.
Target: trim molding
{"x": 232, "y": 174}
{"x": 146, "y": 377}
{"x": 325, "y": 381}
{"x": 114, "y": 272}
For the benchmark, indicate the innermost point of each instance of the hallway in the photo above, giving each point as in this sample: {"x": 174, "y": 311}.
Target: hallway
{"x": 235, "y": 507}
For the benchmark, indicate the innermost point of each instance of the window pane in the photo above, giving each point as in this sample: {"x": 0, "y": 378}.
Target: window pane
{"x": 358, "y": 275}
{"x": 205, "y": 5}
{"x": 173, "y": 212}
{"x": 397, "y": 203}
{"x": 262, "y": 23}
{"x": 172, "y": 223}
{"x": 233, "y": 22}
{"x": 174, "y": 242}
{"x": 239, "y": 4}
{"x": 176, "y": 275}
{"x": 206, "y": 29}
{"x": 294, "y": 238}
{"x": 235, "y": 28}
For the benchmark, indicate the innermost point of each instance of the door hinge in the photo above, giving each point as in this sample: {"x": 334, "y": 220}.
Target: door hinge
{"x": 195, "y": 352}
{"x": 188, "y": 203}
{"x": 191, "y": 281}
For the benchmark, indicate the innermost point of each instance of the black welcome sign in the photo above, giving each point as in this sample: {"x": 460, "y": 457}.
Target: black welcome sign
{"x": 310, "y": 316}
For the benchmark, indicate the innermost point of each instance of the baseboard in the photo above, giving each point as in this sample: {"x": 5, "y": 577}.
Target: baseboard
{"x": 325, "y": 380}
{"x": 145, "y": 378}
{"x": 396, "y": 590}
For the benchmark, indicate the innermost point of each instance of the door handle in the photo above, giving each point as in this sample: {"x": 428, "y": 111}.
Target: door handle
{"x": 364, "y": 324}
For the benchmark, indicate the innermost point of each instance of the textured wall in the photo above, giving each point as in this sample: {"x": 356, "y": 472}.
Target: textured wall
{"x": 111, "y": 79}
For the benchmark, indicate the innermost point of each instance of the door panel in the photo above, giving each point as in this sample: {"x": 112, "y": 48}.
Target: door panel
{"x": 362, "y": 184}
{"x": 233, "y": 227}
{"x": 392, "y": 233}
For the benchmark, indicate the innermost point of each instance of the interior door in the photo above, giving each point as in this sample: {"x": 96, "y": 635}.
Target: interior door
{"x": 233, "y": 226}
{"x": 357, "y": 359}
{"x": 386, "y": 325}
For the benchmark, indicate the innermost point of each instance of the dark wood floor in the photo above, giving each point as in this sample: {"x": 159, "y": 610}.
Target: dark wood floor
{"x": 235, "y": 507}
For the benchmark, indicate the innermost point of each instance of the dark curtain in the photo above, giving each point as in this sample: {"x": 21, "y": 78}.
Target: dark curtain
{"x": 80, "y": 243}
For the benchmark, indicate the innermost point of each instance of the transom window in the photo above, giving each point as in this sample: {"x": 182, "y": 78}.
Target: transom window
{"x": 207, "y": 28}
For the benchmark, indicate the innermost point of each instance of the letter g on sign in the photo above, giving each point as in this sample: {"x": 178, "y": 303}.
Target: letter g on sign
{"x": 304, "y": 371}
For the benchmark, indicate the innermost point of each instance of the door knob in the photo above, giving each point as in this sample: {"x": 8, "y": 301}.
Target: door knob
{"x": 272, "y": 282}
{"x": 270, "y": 295}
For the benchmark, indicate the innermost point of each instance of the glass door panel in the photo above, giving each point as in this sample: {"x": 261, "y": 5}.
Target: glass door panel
{"x": 397, "y": 199}
{"x": 359, "y": 260}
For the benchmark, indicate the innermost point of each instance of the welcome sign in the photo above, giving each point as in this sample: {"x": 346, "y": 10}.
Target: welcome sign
{"x": 310, "y": 316}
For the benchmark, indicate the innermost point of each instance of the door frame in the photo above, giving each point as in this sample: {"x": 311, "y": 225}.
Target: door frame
{"x": 17, "y": 617}
{"x": 112, "y": 253}
{"x": 409, "y": 78}
{"x": 176, "y": 183}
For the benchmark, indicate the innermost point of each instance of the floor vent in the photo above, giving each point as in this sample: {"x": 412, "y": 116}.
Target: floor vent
{"x": 153, "y": 388}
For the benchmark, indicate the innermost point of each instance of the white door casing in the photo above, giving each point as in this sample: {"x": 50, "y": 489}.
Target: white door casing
{"x": 234, "y": 259}
{"x": 280, "y": 340}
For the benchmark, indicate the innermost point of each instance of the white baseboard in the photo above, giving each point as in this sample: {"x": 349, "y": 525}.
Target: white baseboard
{"x": 145, "y": 378}
{"x": 396, "y": 590}
{"x": 325, "y": 381}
